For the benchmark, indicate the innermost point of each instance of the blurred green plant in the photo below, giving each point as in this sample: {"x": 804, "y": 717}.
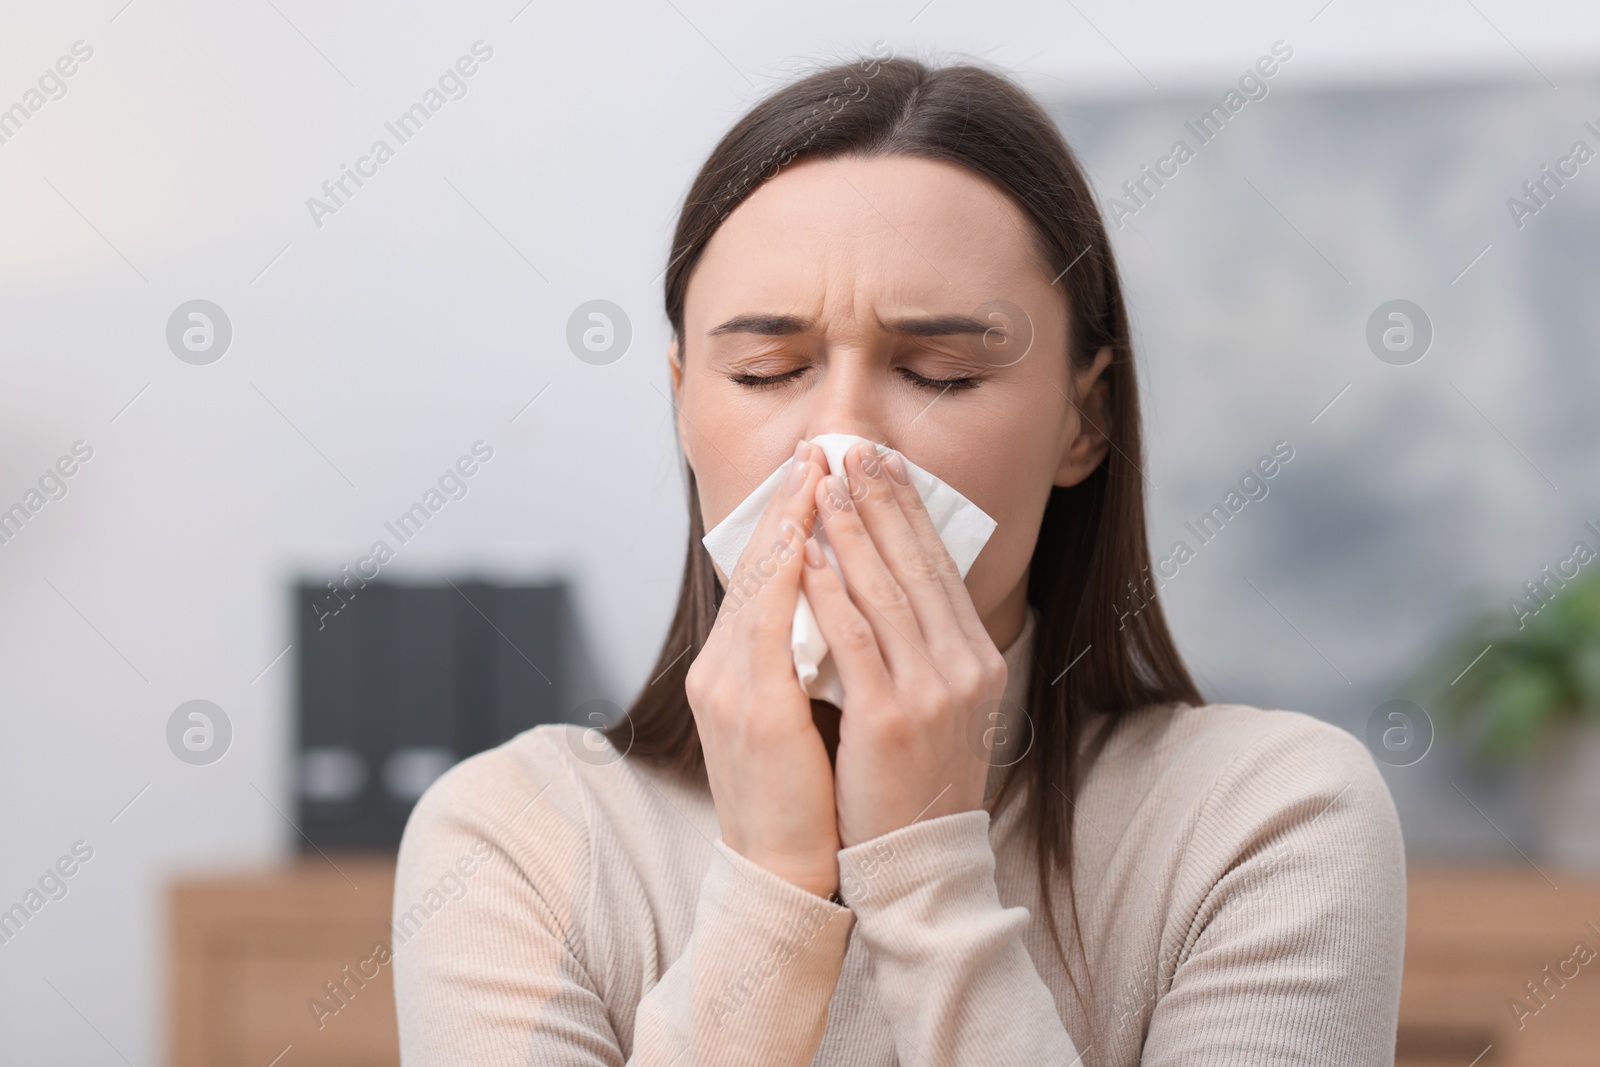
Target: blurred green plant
{"x": 1531, "y": 680}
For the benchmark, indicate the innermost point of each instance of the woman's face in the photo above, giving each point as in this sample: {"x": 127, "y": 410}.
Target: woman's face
{"x": 856, "y": 286}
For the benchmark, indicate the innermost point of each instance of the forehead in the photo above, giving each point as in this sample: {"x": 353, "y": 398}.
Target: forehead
{"x": 889, "y": 230}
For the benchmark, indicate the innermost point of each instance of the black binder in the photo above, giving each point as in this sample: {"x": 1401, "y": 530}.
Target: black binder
{"x": 399, "y": 682}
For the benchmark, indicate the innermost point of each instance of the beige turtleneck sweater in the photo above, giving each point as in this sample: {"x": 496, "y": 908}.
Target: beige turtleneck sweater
{"x": 1241, "y": 891}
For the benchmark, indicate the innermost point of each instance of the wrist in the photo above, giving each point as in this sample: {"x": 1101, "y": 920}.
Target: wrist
{"x": 806, "y": 876}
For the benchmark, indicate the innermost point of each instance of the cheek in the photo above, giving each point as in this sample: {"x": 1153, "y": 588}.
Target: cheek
{"x": 1002, "y": 563}
{"x": 714, "y": 450}
{"x": 730, "y": 459}
{"x": 1015, "y": 497}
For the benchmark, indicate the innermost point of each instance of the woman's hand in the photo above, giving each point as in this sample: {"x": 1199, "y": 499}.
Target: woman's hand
{"x": 914, "y": 659}
{"x": 768, "y": 768}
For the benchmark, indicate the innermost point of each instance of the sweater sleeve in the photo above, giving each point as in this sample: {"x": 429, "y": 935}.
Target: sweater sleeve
{"x": 948, "y": 961}
{"x": 498, "y": 959}
{"x": 1294, "y": 954}
{"x": 754, "y": 983}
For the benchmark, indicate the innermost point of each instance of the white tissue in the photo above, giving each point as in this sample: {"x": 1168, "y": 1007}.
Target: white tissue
{"x": 962, "y": 526}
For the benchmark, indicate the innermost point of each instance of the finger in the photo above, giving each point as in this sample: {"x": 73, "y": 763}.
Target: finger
{"x": 790, "y": 500}
{"x": 913, "y": 552}
{"x": 898, "y": 477}
{"x": 850, "y": 637}
{"x": 867, "y": 578}
{"x": 764, "y": 584}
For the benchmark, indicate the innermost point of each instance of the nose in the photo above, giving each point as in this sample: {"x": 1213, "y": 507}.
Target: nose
{"x": 852, "y": 398}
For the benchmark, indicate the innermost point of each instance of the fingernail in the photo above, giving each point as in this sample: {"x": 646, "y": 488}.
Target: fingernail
{"x": 797, "y": 476}
{"x": 800, "y": 450}
{"x": 870, "y": 459}
{"x": 838, "y": 492}
{"x": 897, "y": 468}
{"x": 814, "y": 557}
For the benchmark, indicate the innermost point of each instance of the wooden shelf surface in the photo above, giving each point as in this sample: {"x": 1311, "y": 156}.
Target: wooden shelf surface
{"x": 252, "y": 953}
{"x": 1474, "y": 938}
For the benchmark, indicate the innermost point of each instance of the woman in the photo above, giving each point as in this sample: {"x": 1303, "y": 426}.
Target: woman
{"x": 1023, "y": 838}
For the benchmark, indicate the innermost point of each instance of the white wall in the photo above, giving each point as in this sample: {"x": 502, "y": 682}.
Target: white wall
{"x": 376, "y": 348}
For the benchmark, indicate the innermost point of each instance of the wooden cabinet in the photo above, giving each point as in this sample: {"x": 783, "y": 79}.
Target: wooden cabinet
{"x": 1475, "y": 939}
{"x": 280, "y": 967}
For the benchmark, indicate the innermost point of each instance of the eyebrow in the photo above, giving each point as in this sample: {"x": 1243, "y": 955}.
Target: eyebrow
{"x": 766, "y": 325}
{"x": 938, "y": 326}
{"x": 782, "y": 325}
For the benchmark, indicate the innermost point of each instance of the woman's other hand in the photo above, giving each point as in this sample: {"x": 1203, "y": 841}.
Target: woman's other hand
{"x": 915, "y": 660}
{"x": 768, "y": 768}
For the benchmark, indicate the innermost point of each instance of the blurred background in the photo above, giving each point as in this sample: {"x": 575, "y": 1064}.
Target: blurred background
{"x": 225, "y": 380}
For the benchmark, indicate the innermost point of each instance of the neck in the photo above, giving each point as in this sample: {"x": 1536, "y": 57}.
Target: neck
{"x": 1004, "y": 623}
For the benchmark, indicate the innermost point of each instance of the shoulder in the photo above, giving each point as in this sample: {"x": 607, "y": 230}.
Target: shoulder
{"x": 493, "y": 903}
{"x": 1275, "y": 761}
{"x": 1228, "y": 783}
{"x": 559, "y": 811}
{"x": 1224, "y": 753}
{"x": 1250, "y": 798}
{"x": 1278, "y": 874}
{"x": 518, "y": 810}
{"x": 528, "y": 778}
{"x": 1173, "y": 732}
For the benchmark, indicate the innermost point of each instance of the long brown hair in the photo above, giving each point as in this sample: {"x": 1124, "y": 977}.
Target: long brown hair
{"x": 1090, "y": 573}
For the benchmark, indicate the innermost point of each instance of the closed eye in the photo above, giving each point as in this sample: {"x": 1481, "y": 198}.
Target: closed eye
{"x": 754, "y": 381}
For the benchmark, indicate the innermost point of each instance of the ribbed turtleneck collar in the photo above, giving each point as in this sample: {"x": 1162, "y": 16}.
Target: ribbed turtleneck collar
{"x": 1017, "y": 655}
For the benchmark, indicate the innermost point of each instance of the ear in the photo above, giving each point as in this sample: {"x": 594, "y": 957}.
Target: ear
{"x": 1086, "y": 449}
{"x": 675, "y": 368}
